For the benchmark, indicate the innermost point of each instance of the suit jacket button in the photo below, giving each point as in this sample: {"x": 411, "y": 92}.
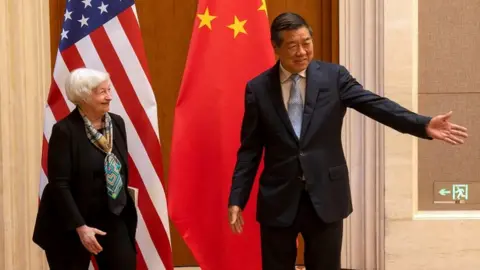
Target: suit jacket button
{"x": 302, "y": 154}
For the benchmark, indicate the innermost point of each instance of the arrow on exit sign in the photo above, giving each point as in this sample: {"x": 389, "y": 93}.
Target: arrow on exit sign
{"x": 444, "y": 192}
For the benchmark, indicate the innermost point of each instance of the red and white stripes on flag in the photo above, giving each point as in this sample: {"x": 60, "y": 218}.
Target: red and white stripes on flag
{"x": 117, "y": 48}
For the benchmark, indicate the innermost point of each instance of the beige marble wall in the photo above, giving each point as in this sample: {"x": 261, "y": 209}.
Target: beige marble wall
{"x": 448, "y": 46}
{"x": 24, "y": 83}
{"x": 414, "y": 244}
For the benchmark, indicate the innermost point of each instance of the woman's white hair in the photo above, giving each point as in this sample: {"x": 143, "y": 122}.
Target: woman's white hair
{"x": 81, "y": 82}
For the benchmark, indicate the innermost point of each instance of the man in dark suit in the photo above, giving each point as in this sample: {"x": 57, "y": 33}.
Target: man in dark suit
{"x": 294, "y": 112}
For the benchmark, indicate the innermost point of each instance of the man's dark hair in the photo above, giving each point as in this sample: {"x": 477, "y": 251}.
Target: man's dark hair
{"x": 286, "y": 21}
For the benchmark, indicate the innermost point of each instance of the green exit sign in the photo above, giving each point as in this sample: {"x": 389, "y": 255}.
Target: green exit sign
{"x": 457, "y": 192}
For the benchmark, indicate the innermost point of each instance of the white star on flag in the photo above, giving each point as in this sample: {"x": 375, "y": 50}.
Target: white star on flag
{"x": 68, "y": 14}
{"x": 83, "y": 21}
{"x": 64, "y": 33}
{"x": 103, "y": 8}
{"x": 87, "y": 3}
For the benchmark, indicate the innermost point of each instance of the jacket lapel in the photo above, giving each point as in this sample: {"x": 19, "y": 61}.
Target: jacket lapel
{"x": 277, "y": 99}
{"x": 80, "y": 138}
{"x": 314, "y": 80}
{"x": 119, "y": 141}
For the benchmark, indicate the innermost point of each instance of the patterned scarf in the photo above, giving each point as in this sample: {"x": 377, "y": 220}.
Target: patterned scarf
{"x": 105, "y": 143}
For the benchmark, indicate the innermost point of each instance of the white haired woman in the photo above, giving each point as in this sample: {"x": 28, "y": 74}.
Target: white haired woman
{"x": 85, "y": 207}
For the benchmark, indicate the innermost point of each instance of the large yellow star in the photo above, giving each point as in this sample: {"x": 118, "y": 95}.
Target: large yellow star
{"x": 206, "y": 19}
{"x": 238, "y": 27}
{"x": 263, "y": 7}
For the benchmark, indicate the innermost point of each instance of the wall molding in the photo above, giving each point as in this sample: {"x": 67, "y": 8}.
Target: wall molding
{"x": 361, "y": 52}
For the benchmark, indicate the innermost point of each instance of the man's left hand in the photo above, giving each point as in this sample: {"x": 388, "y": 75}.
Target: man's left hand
{"x": 440, "y": 128}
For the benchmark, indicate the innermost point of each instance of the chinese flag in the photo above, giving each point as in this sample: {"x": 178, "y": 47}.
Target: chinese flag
{"x": 230, "y": 45}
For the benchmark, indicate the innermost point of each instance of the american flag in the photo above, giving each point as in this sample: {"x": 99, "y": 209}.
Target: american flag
{"x": 105, "y": 35}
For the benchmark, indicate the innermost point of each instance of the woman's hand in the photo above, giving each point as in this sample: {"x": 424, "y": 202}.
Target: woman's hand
{"x": 87, "y": 236}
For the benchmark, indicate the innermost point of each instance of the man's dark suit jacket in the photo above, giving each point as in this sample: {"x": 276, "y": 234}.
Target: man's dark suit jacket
{"x": 318, "y": 154}
{"x": 67, "y": 198}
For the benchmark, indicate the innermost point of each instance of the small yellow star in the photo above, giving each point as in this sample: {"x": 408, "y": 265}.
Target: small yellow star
{"x": 263, "y": 7}
{"x": 206, "y": 19}
{"x": 238, "y": 27}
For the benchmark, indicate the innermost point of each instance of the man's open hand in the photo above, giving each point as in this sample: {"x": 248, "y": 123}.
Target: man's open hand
{"x": 235, "y": 218}
{"x": 440, "y": 128}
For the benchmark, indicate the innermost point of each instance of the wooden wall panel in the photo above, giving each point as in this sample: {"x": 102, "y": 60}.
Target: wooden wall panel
{"x": 24, "y": 83}
{"x": 166, "y": 29}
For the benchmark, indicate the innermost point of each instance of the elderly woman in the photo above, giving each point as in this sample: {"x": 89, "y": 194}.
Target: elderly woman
{"x": 85, "y": 208}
